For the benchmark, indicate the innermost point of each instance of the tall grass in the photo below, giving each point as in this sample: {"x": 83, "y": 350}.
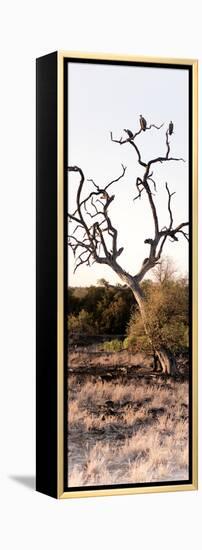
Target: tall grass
{"x": 127, "y": 432}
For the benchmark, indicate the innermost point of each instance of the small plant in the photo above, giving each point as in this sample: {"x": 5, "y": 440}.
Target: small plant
{"x": 113, "y": 345}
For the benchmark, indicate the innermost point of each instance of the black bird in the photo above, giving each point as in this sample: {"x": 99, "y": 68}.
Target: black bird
{"x": 174, "y": 238}
{"x": 170, "y": 128}
{"x": 143, "y": 123}
{"x": 105, "y": 195}
{"x": 130, "y": 134}
{"x": 148, "y": 241}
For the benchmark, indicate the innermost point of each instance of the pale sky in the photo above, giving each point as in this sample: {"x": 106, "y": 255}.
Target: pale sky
{"x": 104, "y": 98}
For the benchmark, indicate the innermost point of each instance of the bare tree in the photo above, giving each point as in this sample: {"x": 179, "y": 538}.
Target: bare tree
{"x": 93, "y": 237}
{"x": 165, "y": 271}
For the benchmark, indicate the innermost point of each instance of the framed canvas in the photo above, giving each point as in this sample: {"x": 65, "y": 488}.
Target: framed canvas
{"x": 116, "y": 369}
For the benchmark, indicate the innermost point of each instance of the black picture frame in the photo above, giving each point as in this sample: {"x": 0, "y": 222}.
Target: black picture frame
{"x": 51, "y": 275}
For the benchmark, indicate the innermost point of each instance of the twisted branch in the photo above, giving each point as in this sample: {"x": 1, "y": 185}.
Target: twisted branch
{"x": 157, "y": 242}
{"x": 93, "y": 241}
{"x": 94, "y": 246}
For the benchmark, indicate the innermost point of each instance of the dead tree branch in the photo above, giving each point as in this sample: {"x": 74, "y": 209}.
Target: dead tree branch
{"x": 98, "y": 248}
{"x": 99, "y": 241}
{"x": 159, "y": 238}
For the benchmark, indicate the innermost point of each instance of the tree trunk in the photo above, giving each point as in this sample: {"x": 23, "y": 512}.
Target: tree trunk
{"x": 162, "y": 355}
{"x": 166, "y": 360}
{"x": 165, "y": 356}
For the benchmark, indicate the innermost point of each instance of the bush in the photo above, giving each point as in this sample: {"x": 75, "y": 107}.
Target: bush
{"x": 81, "y": 324}
{"x": 166, "y": 318}
{"x": 113, "y": 345}
{"x": 108, "y": 306}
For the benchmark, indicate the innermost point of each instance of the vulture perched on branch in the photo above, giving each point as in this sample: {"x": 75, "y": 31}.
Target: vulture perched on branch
{"x": 148, "y": 241}
{"x": 130, "y": 134}
{"x": 170, "y": 128}
{"x": 143, "y": 123}
{"x": 105, "y": 195}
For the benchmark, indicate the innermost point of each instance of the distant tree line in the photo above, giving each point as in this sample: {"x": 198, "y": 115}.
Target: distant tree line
{"x": 109, "y": 310}
{"x": 99, "y": 310}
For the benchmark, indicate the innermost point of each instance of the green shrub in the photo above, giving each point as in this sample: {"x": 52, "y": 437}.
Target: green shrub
{"x": 113, "y": 345}
{"x": 167, "y": 320}
{"x": 82, "y": 323}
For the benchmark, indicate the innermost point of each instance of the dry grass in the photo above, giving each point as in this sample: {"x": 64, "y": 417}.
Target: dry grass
{"x": 120, "y": 358}
{"x": 127, "y": 431}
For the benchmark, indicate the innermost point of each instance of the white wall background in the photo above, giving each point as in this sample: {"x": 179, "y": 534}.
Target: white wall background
{"x": 28, "y": 30}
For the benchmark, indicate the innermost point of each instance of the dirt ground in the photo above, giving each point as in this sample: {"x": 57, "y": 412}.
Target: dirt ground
{"x": 126, "y": 424}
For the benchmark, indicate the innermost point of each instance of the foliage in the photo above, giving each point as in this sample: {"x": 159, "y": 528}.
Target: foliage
{"x": 99, "y": 310}
{"x": 103, "y": 282}
{"x": 107, "y": 309}
{"x": 113, "y": 345}
{"x": 81, "y": 323}
{"x": 166, "y": 317}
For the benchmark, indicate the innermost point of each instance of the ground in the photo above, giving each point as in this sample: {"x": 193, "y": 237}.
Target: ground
{"x": 126, "y": 424}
